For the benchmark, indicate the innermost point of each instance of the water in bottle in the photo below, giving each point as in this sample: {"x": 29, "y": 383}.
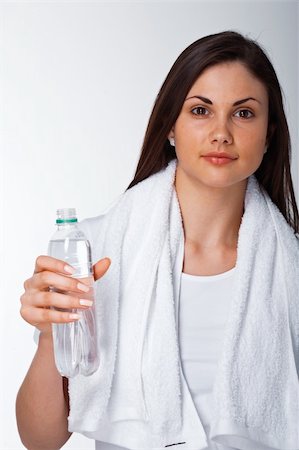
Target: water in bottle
{"x": 75, "y": 343}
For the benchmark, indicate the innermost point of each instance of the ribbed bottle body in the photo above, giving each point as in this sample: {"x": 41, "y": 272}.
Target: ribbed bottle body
{"x": 75, "y": 343}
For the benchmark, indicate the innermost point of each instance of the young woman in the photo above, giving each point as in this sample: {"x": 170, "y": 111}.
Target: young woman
{"x": 197, "y": 302}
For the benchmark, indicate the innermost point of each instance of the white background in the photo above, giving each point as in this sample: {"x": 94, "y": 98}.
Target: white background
{"x": 78, "y": 80}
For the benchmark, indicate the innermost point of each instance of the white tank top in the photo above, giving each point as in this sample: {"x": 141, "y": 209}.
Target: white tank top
{"x": 203, "y": 311}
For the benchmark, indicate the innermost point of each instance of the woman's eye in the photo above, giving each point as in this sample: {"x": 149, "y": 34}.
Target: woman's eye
{"x": 200, "y": 111}
{"x": 244, "y": 114}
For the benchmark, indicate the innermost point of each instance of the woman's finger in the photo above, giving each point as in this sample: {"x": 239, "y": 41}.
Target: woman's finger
{"x": 43, "y": 280}
{"x": 43, "y": 299}
{"x": 101, "y": 267}
{"x": 40, "y": 316}
{"x": 51, "y": 264}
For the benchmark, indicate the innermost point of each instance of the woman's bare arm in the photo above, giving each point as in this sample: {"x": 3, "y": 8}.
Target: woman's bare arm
{"x": 42, "y": 402}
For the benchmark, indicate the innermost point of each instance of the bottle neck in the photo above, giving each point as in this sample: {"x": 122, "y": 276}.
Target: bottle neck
{"x": 66, "y": 225}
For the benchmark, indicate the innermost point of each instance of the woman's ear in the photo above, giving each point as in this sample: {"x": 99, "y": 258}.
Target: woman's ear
{"x": 171, "y": 133}
{"x": 171, "y": 137}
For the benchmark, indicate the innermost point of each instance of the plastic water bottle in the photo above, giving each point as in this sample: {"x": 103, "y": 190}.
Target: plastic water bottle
{"x": 75, "y": 343}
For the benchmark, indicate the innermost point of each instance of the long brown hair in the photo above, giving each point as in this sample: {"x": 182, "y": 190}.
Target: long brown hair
{"x": 274, "y": 172}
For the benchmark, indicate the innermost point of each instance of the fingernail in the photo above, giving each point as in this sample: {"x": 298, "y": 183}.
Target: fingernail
{"x": 74, "y": 316}
{"x": 82, "y": 287}
{"x": 85, "y": 302}
{"x": 69, "y": 269}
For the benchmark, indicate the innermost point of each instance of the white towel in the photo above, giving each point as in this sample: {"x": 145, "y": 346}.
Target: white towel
{"x": 256, "y": 388}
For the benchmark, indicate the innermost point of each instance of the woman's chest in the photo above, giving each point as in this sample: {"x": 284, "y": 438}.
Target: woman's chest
{"x": 208, "y": 262}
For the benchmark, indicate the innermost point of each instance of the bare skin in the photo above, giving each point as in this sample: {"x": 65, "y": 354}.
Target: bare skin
{"x": 216, "y": 251}
{"x": 42, "y": 405}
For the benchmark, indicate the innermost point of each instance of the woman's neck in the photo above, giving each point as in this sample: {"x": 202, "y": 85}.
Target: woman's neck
{"x": 211, "y": 216}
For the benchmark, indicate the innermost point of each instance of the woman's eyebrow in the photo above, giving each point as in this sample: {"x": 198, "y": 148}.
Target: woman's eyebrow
{"x": 209, "y": 102}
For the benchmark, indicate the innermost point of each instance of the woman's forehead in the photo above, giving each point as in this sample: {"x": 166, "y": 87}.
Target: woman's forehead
{"x": 225, "y": 80}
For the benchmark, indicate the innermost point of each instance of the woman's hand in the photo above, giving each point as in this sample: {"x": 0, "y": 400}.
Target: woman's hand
{"x": 37, "y": 300}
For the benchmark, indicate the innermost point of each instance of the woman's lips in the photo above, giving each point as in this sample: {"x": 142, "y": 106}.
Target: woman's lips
{"x": 218, "y": 160}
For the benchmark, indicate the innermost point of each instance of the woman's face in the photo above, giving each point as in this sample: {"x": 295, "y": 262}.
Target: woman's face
{"x": 226, "y": 110}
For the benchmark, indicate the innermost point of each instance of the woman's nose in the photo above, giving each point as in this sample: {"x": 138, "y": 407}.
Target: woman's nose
{"x": 220, "y": 133}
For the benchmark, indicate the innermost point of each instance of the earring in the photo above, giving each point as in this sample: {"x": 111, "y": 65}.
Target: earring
{"x": 265, "y": 151}
{"x": 171, "y": 141}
